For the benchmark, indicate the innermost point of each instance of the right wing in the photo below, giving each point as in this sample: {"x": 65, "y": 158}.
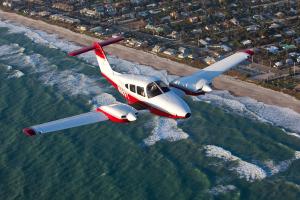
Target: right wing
{"x": 69, "y": 122}
{"x": 199, "y": 82}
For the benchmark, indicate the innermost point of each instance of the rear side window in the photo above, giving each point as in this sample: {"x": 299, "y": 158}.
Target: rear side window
{"x": 140, "y": 90}
{"x": 126, "y": 85}
{"x": 132, "y": 88}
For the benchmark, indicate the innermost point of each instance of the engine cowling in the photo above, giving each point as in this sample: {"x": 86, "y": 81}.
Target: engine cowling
{"x": 120, "y": 113}
{"x": 201, "y": 87}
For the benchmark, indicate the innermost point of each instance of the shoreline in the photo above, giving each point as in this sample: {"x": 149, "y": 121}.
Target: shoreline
{"x": 223, "y": 82}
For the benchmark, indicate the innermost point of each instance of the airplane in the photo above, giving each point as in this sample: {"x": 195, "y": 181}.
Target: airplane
{"x": 142, "y": 92}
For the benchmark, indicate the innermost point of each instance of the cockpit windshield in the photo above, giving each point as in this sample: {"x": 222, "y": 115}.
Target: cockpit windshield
{"x": 162, "y": 86}
{"x": 157, "y": 88}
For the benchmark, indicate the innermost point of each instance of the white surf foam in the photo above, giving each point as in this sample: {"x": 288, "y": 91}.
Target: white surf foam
{"x": 164, "y": 129}
{"x": 282, "y": 117}
{"x": 248, "y": 170}
{"x": 221, "y": 189}
{"x": 71, "y": 82}
{"x": 281, "y": 166}
{"x": 16, "y": 74}
{"x": 68, "y": 81}
{"x": 102, "y": 99}
{"x": 244, "y": 169}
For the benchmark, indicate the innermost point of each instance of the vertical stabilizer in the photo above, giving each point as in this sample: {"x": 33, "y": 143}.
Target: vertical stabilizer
{"x": 102, "y": 60}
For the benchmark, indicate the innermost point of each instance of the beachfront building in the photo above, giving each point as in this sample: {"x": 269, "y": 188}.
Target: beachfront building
{"x": 11, "y": 3}
{"x": 63, "y": 6}
{"x": 65, "y": 19}
{"x": 89, "y": 13}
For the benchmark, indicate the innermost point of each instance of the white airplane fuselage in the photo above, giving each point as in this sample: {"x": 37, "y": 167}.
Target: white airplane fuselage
{"x": 134, "y": 89}
{"x": 146, "y": 92}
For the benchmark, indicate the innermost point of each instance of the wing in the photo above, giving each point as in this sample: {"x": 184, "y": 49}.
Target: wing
{"x": 69, "y": 122}
{"x": 199, "y": 82}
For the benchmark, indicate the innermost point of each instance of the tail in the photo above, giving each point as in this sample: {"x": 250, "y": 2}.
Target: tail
{"x": 100, "y": 55}
{"x": 104, "y": 65}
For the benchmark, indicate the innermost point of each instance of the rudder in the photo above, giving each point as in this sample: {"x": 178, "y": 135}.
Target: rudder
{"x": 102, "y": 60}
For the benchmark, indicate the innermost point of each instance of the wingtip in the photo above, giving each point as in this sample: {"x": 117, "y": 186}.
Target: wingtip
{"x": 29, "y": 131}
{"x": 249, "y": 51}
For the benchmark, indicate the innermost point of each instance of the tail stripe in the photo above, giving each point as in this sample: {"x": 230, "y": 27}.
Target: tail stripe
{"x": 99, "y": 51}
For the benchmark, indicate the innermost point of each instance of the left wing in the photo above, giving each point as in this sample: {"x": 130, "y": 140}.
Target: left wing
{"x": 69, "y": 122}
{"x": 118, "y": 112}
{"x": 198, "y": 83}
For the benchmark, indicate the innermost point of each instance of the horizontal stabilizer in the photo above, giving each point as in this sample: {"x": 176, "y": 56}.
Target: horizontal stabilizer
{"x": 102, "y": 44}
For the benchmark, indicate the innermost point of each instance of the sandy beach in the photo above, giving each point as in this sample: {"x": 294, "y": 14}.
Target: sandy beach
{"x": 235, "y": 86}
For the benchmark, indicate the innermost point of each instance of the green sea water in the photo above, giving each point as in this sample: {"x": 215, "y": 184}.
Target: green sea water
{"x": 111, "y": 161}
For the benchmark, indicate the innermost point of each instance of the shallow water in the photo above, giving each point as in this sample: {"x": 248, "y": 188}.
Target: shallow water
{"x": 153, "y": 158}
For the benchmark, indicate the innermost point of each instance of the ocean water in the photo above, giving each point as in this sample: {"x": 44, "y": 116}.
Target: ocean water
{"x": 231, "y": 147}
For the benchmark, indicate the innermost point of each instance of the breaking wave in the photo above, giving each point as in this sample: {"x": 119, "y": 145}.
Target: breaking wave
{"x": 245, "y": 106}
{"x": 164, "y": 129}
{"x": 247, "y": 170}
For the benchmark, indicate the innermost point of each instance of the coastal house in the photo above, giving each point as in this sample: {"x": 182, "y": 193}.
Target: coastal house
{"x": 64, "y": 19}
{"x": 157, "y": 49}
{"x": 12, "y": 3}
{"x": 278, "y": 64}
{"x": 182, "y": 55}
{"x": 288, "y": 47}
{"x": 203, "y": 42}
{"x": 234, "y": 21}
{"x": 174, "y": 35}
{"x": 273, "y": 49}
{"x": 81, "y": 28}
{"x": 192, "y": 56}
{"x": 274, "y": 26}
{"x": 63, "y": 6}
{"x": 170, "y": 52}
{"x": 193, "y": 19}
{"x": 89, "y": 13}
{"x": 252, "y": 28}
{"x": 209, "y": 60}
{"x": 154, "y": 29}
{"x": 44, "y": 14}
{"x": 246, "y": 42}
{"x": 183, "y": 50}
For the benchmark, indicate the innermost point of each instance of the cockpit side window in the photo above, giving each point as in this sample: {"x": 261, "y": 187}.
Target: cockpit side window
{"x": 132, "y": 88}
{"x": 140, "y": 91}
{"x": 126, "y": 85}
{"x": 153, "y": 90}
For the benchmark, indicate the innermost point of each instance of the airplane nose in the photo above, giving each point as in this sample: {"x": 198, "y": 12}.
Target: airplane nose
{"x": 187, "y": 115}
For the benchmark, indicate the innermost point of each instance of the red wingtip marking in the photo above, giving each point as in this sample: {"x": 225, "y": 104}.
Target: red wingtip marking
{"x": 29, "y": 132}
{"x": 249, "y": 51}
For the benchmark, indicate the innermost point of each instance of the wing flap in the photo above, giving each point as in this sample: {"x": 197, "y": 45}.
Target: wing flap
{"x": 65, "y": 123}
